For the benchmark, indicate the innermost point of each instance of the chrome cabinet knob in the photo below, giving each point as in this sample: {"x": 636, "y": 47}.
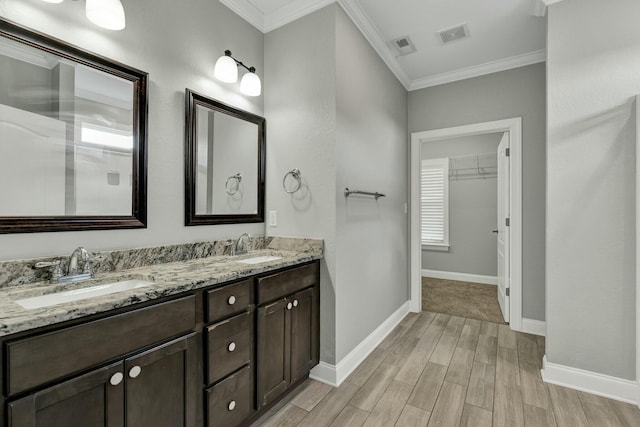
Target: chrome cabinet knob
{"x": 232, "y": 405}
{"x": 135, "y": 371}
{"x": 231, "y": 346}
{"x": 231, "y": 300}
{"x": 116, "y": 378}
{"x": 295, "y": 302}
{"x": 289, "y": 306}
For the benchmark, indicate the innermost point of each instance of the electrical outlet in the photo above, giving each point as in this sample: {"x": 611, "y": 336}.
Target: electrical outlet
{"x": 273, "y": 218}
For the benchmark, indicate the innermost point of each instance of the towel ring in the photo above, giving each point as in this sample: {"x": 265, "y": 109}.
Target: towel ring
{"x": 295, "y": 173}
{"x": 238, "y": 179}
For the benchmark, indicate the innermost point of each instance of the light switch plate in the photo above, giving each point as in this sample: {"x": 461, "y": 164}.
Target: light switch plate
{"x": 273, "y": 218}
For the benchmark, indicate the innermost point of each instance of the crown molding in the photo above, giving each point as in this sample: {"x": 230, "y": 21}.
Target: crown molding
{"x": 479, "y": 70}
{"x": 279, "y": 17}
{"x": 291, "y": 12}
{"x": 539, "y": 8}
{"x": 246, "y": 11}
{"x": 363, "y": 22}
{"x": 360, "y": 18}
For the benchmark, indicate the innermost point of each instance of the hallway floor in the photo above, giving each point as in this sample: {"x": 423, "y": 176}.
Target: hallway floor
{"x": 466, "y": 299}
{"x": 441, "y": 370}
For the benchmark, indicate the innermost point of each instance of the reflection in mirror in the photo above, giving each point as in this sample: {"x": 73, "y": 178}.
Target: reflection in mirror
{"x": 71, "y": 137}
{"x": 224, "y": 163}
{"x": 227, "y": 177}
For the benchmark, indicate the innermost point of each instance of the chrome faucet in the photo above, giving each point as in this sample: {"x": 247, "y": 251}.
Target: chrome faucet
{"x": 73, "y": 272}
{"x": 83, "y": 254}
{"x": 241, "y": 246}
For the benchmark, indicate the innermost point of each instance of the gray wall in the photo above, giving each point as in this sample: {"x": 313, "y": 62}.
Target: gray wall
{"x": 473, "y": 211}
{"x": 514, "y": 93}
{"x": 371, "y": 154}
{"x": 33, "y": 86}
{"x": 347, "y": 128}
{"x": 592, "y": 81}
{"x": 301, "y": 122}
{"x": 177, "y": 43}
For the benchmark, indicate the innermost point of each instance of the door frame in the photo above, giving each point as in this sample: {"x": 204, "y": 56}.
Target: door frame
{"x": 514, "y": 127}
{"x": 638, "y": 249}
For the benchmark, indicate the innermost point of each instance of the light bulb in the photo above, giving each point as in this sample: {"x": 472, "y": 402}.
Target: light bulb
{"x": 226, "y": 69}
{"x": 53, "y": 1}
{"x": 107, "y": 14}
{"x": 250, "y": 84}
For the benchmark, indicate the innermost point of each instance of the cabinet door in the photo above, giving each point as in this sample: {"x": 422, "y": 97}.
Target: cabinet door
{"x": 273, "y": 355}
{"x": 161, "y": 387}
{"x": 95, "y": 399}
{"x": 304, "y": 333}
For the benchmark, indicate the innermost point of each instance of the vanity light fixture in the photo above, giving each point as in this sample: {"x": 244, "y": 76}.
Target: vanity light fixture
{"x": 226, "y": 70}
{"x": 107, "y": 14}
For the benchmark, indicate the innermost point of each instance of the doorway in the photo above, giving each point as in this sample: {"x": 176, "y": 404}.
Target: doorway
{"x": 512, "y": 280}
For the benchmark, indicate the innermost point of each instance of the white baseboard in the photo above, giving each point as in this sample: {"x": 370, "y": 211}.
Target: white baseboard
{"x": 590, "y": 382}
{"x": 463, "y": 277}
{"x": 535, "y": 327}
{"x": 334, "y": 375}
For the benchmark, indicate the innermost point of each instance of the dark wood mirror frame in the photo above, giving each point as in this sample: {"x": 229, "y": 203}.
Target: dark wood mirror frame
{"x": 138, "y": 217}
{"x": 193, "y": 100}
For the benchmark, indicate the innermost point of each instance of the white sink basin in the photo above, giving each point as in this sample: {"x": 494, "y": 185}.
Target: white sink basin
{"x": 82, "y": 293}
{"x": 259, "y": 259}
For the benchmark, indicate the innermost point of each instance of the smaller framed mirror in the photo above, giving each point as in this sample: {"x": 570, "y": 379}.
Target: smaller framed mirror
{"x": 224, "y": 163}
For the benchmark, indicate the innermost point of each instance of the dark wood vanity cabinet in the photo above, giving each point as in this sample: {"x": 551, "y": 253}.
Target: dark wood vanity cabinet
{"x": 229, "y": 354}
{"x": 217, "y": 357}
{"x": 154, "y": 388}
{"x": 304, "y": 333}
{"x": 160, "y": 385}
{"x": 88, "y": 400}
{"x": 277, "y": 314}
{"x": 287, "y": 332}
{"x": 124, "y": 370}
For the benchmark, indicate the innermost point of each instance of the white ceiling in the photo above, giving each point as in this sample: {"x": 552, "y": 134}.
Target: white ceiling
{"x": 504, "y": 34}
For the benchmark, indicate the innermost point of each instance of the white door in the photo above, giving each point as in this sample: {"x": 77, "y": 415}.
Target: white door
{"x": 503, "y": 229}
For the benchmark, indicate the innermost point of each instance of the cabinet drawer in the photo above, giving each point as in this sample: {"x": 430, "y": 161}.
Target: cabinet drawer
{"x": 228, "y": 300}
{"x": 229, "y": 346}
{"x": 43, "y": 358}
{"x": 229, "y": 402}
{"x": 287, "y": 282}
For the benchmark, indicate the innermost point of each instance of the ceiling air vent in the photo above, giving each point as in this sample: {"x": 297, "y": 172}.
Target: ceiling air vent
{"x": 454, "y": 33}
{"x": 402, "y": 46}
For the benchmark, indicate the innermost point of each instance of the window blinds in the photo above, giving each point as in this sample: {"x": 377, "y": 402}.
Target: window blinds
{"x": 434, "y": 188}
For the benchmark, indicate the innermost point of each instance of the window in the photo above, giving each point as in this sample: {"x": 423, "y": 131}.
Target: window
{"x": 434, "y": 202}
{"x": 106, "y": 137}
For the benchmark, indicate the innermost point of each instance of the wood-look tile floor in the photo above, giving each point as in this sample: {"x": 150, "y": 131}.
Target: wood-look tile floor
{"x": 441, "y": 370}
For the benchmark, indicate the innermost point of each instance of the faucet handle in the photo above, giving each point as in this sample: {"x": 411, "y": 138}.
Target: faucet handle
{"x": 231, "y": 245}
{"x": 56, "y": 271}
{"x": 88, "y": 262}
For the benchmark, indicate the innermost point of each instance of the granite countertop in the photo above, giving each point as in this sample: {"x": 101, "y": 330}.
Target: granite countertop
{"x": 169, "y": 279}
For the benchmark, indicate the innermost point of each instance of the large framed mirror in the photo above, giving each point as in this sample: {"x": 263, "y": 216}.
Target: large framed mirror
{"x": 224, "y": 163}
{"x": 72, "y": 137}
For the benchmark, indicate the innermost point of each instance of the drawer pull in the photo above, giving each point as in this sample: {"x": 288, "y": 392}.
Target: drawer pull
{"x": 116, "y": 378}
{"x": 232, "y": 405}
{"x": 295, "y": 302}
{"x": 231, "y": 300}
{"x": 289, "y": 306}
{"x": 135, "y": 371}
{"x": 232, "y": 346}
